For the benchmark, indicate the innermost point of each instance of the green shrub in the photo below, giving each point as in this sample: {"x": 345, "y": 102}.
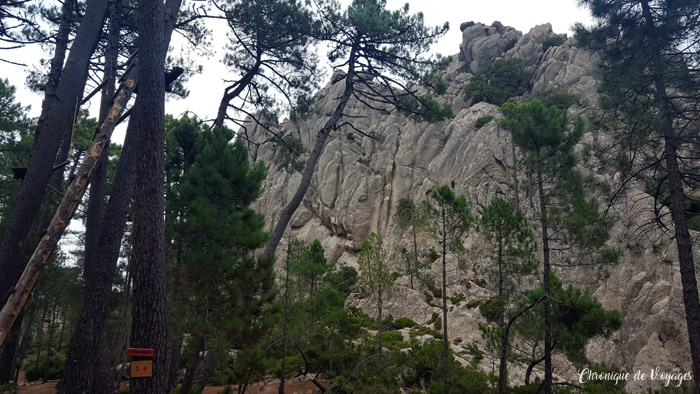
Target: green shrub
{"x": 498, "y": 81}
{"x": 437, "y": 291}
{"x": 426, "y": 109}
{"x": 403, "y": 322}
{"x": 390, "y": 336}
{"x": 434, "y": 317}
{"x": 473, "y": 349}
{"x": 474, "y": 303}
{"x": 531, "y": 388}
{"x": 491, "y": 309}
{"x": 227, "y": 390}
{"x": 428, "y": 297}
{"x": 388, "y": 321}
{"x": 482, "y": 121}
{"x": 553, "y": 41}
{"x": 8, "y": 388}
{"x": 558, "y": 98}
{"x": 479, "y": 282}
{"x": 457, "y": 298}
{"x": 54, "y": 370}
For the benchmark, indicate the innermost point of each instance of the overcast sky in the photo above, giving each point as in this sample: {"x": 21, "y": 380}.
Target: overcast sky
{"x": 206, "y": 88}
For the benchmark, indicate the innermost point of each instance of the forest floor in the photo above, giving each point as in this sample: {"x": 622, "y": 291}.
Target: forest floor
{"x": 257, "y": 388}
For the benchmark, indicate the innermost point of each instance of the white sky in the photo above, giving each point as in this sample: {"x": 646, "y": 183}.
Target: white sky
{"x": 206, "y": 88}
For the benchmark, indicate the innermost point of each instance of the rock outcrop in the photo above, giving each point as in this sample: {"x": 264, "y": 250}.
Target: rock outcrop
{"x": 363, "y": 172}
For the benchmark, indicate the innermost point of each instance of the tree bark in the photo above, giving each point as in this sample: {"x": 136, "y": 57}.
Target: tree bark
{"x": 446, "y": 342}
{"x": 64, "y": 213}
{"x": 330, "y": 125}
{"x": 87, "y": 362}
{"x": 234, "y": 91}
{"x": 88, "y": 368}
{"x": 379, "y": 312}
{"x": 149, "y": 327}
{"x": 691, "y": 298}
{"x": 8, "y": 352}
{"x": 58, "y": 115}
{"x": 283, "y": 375}
{"x": 547, "y": 287}
{"x": 503, "y": 365}
{"x": 14, "y": 244}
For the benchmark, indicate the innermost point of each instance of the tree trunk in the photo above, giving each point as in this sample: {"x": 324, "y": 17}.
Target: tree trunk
{"x": 59, "y": 56}
{"x": 85, "y": 362}
{"x": 283, "y": 375}
{"x": 121, "y": 340}
{"x": 24, "y": 344}
{"x": 8, "y": 352}
{"x": 379, "y": 316}
{"x": 88, "y": 361}
{"x": 415, "y": 255}
{"x": 234, "y": 91}
{"x": 149, "y": 328}
{"x": 63, "y": 215}
{"x": 691, "y": 299}
{"x": 515, "y": 174}
{"x": 41, "y": 161}
{"x": 48, "y": 345}
{"x": 503, "y": 365}
{"x": 547, "y": 287}
{"x": 444, "y": 299}
{"x": 530, "y": 367}
{"x": 330, "y": 125}
{"x": 58, "y": 115}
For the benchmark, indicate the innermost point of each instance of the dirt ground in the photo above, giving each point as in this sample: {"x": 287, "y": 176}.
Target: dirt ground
{"x": 258, "y": 388}
{"x": 272, "y": 388}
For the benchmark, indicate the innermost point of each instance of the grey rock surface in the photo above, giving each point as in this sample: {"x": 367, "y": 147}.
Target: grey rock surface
{"x": 359, "y": 180}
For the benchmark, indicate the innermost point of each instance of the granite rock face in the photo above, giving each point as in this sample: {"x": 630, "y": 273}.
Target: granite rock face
{"x": 365, "y": 170}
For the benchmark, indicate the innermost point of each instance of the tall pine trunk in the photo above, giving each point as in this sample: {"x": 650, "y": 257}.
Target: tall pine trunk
{"x": 691, "y": 298}
{"x": 149, "y": 327}
{"x": 547, "y": 286}
{"x": 88, "y": 367}
{"x": 87, "y": 362}
{"x": 330, "y": 125}
{"x": 446, "y": 342}
{"x": 57, "y": 116}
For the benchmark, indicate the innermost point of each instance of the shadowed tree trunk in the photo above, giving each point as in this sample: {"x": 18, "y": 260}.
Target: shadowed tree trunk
{"x": 308, "y": 173}
{"x": 149, "y": 328}
{"x": 7, "y": 353}
{"x": 57, "y": 117}
{"x": 88, "y": 367}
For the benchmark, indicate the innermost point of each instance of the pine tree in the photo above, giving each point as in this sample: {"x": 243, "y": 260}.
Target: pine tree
{"x": 576, "y": 317}
{"x": 451, "y": 221}
{"x": 511, "y": 247}
{"x": 546, "y": 138}
{"x": 309, "y": 266}
{"x": 382, "y": 53}
{"x": 224, "y": 293}
{"x": 272, "y": 48}
{"x": 375, "y": 275}
{"x": 409, "y": 215}
{"x": 649, "y": 57}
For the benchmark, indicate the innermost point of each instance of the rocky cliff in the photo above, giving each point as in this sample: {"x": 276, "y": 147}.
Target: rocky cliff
{"x": 359, "y": 180}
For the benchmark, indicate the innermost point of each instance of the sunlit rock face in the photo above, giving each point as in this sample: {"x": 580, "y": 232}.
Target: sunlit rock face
{"x": 365, "y": 170}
